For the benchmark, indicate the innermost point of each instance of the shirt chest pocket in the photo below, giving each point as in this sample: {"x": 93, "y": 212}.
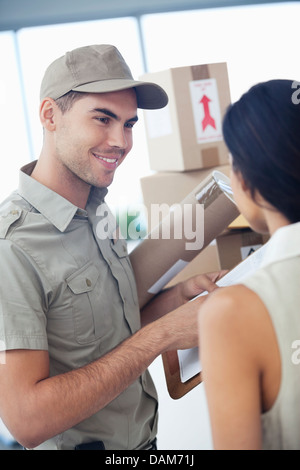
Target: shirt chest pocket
{"x": 91, "y": 322}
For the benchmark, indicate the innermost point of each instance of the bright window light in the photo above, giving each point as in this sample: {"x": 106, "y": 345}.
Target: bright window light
{"x": 258, "y": 42}
{"x": 14, "y": 146}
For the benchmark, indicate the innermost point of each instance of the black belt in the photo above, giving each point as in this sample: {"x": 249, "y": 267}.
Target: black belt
{"x": 152, "y": 445}
{"x": 98, "y": 445}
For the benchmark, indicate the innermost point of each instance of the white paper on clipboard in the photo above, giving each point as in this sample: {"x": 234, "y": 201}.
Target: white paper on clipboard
{"x": 188, "y": 359}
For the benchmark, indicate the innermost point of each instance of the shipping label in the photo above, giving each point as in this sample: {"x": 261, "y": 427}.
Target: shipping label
{"x": 206, "y": 110}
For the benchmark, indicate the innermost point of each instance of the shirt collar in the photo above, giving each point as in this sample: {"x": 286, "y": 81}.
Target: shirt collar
{"x": 283, "y": 244}
{"x": 58, "y": 210}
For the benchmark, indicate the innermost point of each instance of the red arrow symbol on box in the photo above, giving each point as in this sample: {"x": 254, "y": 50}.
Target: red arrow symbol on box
{"x": 208, "y": 120}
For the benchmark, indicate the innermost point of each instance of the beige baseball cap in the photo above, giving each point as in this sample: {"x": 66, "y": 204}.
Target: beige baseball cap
{"x": 98, "y": 69}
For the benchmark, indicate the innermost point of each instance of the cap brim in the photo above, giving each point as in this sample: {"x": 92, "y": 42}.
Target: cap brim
{"x": 149, "y": 95}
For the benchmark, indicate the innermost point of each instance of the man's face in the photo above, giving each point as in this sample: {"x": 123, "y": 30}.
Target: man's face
{"x": 93, "y": 138}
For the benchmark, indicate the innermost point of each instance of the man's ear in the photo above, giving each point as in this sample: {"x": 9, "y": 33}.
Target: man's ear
{"x": 48, "y": 108}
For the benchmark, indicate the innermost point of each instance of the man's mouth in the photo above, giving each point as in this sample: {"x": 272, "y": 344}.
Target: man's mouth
{"x": 109, "y": 162}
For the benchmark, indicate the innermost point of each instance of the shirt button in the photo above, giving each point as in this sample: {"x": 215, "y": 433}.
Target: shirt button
{"x": 88, "y": 282}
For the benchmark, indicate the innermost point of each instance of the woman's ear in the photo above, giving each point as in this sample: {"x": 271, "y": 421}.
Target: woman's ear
{"x": 48, "y": 108}
{"x": 241, "y": 180}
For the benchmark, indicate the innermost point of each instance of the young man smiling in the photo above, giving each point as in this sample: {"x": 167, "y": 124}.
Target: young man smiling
{"x": 85, "y": 145}
{"x": 75, "y": 371}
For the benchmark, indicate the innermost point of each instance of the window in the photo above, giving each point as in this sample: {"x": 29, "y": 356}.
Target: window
{"x": 14, "y": 141}
{"x": 258, "y": 42}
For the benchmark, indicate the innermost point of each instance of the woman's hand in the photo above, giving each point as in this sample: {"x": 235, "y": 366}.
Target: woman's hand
{"x": 194, "y": 286}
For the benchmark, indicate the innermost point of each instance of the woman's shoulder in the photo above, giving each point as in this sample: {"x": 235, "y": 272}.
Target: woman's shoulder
{"x": 231, "y": 302}
{"x": 234, "y": 314}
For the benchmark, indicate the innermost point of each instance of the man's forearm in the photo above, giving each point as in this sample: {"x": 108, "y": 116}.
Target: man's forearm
{"x": 171, "y": 298}
{"x": 58, "y": 403}
{"x": 164, "y": 302}
{"x": 36, "y": 407}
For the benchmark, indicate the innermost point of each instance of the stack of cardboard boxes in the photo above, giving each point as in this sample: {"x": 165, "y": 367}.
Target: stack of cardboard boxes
{"x": 185, "y": 145}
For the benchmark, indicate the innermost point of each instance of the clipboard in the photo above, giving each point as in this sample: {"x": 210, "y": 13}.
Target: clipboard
{"x": 177, "y": 388}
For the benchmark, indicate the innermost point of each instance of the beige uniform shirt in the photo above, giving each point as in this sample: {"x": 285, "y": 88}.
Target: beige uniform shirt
{"x": 67, "y": 286}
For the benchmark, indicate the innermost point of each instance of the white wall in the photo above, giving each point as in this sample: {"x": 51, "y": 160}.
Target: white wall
{"x": 183, "y": 423}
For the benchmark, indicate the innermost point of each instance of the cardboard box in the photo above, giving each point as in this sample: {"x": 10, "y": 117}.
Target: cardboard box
{"x": 225, "y": 252}
{"x": 205, "y": 262}
{"x": 187, "y": 133}
{"x": 239, "y": 222}
{"x": 202, "y": 215}
{"x": 235, "y": 245}
{"x": 172, "y": 187}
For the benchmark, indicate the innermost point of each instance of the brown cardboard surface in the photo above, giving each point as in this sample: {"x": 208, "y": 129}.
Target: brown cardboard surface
{"x": 230, "y": 245}
{"x": 224, "y": 253}
{"x": 172, "y": 187}
{"x": 155, "y": 256}
{"x": 239, "y": 222}
{"x": 206, "y": 261}
{"x": 173, "y": 142}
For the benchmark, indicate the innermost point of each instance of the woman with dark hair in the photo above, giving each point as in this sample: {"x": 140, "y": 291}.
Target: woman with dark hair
{"x": 249, "y": 333}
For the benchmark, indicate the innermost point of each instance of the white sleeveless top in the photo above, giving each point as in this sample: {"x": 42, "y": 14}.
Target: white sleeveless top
{"x": 277, "y": 283}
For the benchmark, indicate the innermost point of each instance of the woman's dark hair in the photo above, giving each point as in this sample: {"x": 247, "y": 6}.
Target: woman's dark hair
{"x": 262, "y": 133}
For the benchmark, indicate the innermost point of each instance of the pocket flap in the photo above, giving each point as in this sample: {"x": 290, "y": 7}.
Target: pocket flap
{"x": 83, "y": 280}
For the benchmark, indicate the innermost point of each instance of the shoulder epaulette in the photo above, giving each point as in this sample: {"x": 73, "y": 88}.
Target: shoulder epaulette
{"x": 6, "y": 220}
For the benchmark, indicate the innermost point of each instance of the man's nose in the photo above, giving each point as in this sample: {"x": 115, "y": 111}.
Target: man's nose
{"x": 117, "y": 137}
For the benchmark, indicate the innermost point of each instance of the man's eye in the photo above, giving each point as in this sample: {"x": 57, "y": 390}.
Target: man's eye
{"x": 129, "y": 125}
{"x": 103, "y": 120}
